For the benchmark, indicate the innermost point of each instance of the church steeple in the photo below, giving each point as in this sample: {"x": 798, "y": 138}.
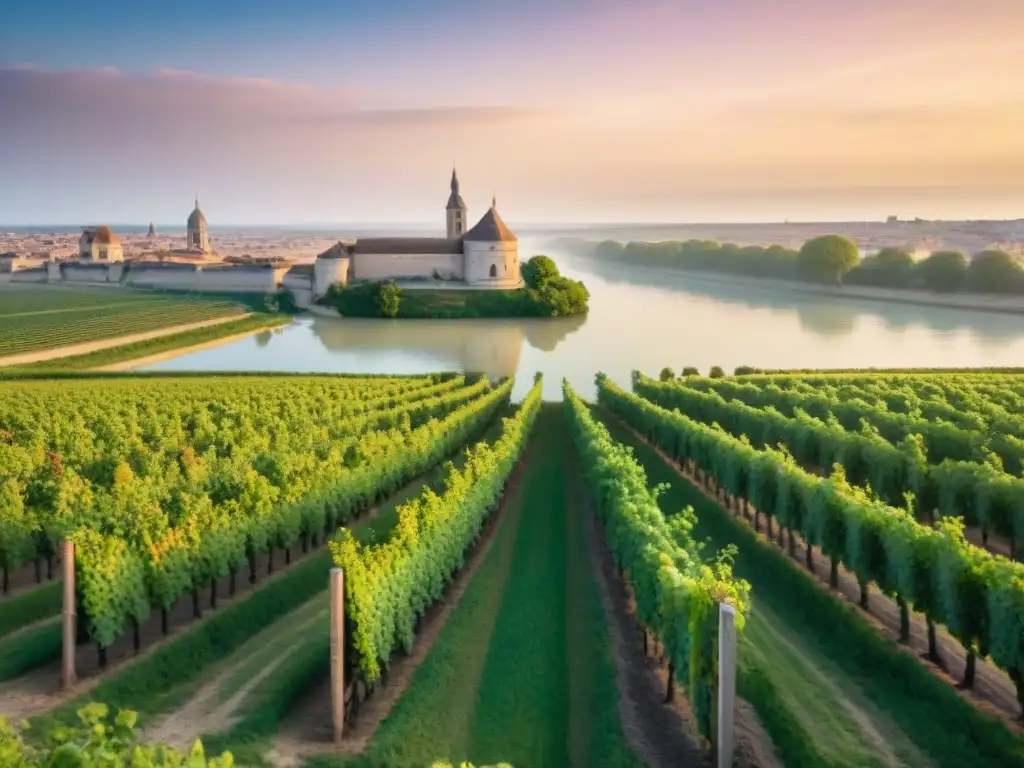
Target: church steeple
{"x": 456, "y": 210}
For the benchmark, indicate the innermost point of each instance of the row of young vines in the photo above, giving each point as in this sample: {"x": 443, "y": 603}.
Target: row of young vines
{"x": 276, "y": 469}
{"x": 677, "y": 591}
{"x": 977, "y": 596}
{"x": 961, "y": 428}
{"x": 389, "y": 585}
{"x": 979, "y": 492}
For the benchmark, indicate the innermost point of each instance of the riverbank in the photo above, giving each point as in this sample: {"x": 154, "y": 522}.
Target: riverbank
{"x": 85, "y": 348}
{"x": 1005, "y": 304}
{"x": 136, "y": 362}
{"x": 125, "y": 356}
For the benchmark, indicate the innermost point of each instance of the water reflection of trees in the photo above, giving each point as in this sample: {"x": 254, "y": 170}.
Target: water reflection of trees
{"x": 489, "y": 346}
{"x": 832, "y": 316}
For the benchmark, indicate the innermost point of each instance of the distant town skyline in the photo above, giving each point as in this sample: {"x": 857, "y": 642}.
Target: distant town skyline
{"x": 315, "y": 113}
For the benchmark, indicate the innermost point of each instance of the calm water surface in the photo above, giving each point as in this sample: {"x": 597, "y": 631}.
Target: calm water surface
{"x": 639, "y": 318}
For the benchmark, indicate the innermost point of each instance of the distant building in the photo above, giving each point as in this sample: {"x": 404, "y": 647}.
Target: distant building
{"x": 197, "y": 238}
{"x": 99, "y": 245}
{"x": 152, "y": 231}
{"x": 484, "y": 256}
{"x": 892, "y": 220}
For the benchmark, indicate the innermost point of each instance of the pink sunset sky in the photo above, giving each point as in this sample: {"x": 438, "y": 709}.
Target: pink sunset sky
{"x": 569, "y": 111}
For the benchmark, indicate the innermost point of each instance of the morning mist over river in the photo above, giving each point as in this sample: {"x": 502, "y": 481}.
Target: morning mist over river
{"x": 643, "y": 318}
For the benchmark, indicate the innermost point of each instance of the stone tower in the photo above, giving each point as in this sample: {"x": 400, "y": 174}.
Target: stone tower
{"x": 152, "y": 230}
{"x": 197, "y": 238}
{"x": 456, "y": 210}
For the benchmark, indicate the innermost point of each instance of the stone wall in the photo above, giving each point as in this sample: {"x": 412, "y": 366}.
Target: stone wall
{"x": 500, "y": 258}
{"x": 405, "y": 266}
{"x": 87, "y": 273}
{"x": 328, "y": 270}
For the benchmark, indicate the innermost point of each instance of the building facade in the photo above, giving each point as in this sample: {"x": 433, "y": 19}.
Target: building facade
{"x": 483, "y": 256}
{"x": 99, "y": 245}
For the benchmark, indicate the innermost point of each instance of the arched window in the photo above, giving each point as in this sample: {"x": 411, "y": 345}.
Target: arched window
{"x": 494, "y": 270}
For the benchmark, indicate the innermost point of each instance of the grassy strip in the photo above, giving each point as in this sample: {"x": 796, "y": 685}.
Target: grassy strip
{"x": 595, "y": 729}
{"x": 140, "y": 685}
{"x": 527, "y": 723}
{"x": 158, "y": 345}
{"x": 29, "y": 648}
{"x": 931, "y": 713}
{"x": 35, "y": 604}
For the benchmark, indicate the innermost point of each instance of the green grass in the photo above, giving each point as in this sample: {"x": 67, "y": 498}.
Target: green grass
{"x": 34, "y": 604}
{"x": 522, "y": 670}
{"x": 251, "y": 323}
{"x": 38, "y": 318}
{"x": 868, "y": 667}
{"x": 29, "y": 648}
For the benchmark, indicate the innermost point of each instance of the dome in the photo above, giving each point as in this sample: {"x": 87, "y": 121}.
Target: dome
{"x": 196, "y": 218}
{"x": 103, "y": 236}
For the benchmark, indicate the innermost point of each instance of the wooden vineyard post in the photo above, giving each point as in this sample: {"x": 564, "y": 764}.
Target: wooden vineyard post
{"x": 67, "y": 666}
{"x": 338, "y": 653}
{"x": 726, "y": 683}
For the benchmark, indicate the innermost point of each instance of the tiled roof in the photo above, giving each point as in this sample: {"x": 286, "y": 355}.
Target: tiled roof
{"x": 406, "y": 245}
{"x": 490, "y": 229}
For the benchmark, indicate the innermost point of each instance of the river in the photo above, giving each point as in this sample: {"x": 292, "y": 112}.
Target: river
{"x": 645, "y": 318}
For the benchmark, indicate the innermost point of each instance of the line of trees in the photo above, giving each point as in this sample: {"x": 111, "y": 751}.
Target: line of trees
{"x": 831, "y": 259}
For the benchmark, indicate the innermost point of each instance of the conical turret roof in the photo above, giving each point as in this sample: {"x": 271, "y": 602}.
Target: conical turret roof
{"x": 455, "y": 202}
{"x": 490, "y": 229}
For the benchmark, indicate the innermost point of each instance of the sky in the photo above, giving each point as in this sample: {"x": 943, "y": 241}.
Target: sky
{"x": 575, "y": 111}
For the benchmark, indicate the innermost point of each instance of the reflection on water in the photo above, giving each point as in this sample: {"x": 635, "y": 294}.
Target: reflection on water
{"x": 640, "y": 318}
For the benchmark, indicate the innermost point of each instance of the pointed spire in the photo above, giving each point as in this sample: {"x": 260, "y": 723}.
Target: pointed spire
{"x": 455, "y": 180}
{"x": 494, "y": 200}
{"x": 197, "y": 201}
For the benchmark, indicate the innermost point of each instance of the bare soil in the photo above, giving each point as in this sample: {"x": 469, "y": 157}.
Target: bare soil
{"x": 85, "y": 348}
{"x": 23, "y": 579}
{"x": 307, "y": 730}
{"x": 993, "y": 692}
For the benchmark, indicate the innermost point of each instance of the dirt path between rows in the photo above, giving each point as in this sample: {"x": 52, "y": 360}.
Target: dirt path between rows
{"x": 307, "y": 730}
{"x": 993, "y": 692}
{"x": 205, "y": 712}
{"x": 662, "y": 734}
{"x": 42, "y": 355}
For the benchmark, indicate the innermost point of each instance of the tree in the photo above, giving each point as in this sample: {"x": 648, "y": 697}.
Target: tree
{"x": 944, "y": 271}
{"x": 389, "y": 298}
{"x": 667, "y": 374}
{"x": 995, "y": 272}
{"x": 889, "y": 268}
{"x": 538, "y": 270}
{"x": 610, "y": 249}
{"x": 826, "y": 259}
{"x": 716, "y": 372}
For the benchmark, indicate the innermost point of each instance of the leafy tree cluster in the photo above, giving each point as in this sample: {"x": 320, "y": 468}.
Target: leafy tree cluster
{"x": 978, "y": 596}
{"x": 831, "y": 259}
{"x": 552, "y": 293}
{"x": 547, "y": 293}
{"x": 676, "y": 588}
{"x": 389, "y": 585}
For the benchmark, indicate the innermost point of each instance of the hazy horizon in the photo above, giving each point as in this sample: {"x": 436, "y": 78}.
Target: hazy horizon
{"x": 646, "y": 112}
